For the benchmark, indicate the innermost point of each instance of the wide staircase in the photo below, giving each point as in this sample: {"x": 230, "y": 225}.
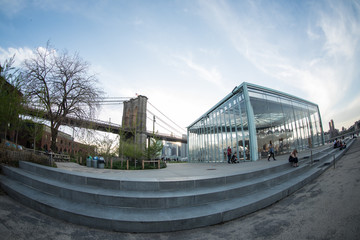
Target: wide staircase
{"x": 100, "y": 201}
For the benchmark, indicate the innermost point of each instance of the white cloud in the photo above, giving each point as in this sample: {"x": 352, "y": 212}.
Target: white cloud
{"x": 341, "y": 29}
{"x": 138, "y": 21}
{"x": 209, "y": 52}
{"x": 211, "y": 75}
{"x": 20, "y": 54}
{"x": 12, "y": 7}
{"x": 348, "y": 115}
{"x": 322, "y": 74}
{"x": 312, "y": 34}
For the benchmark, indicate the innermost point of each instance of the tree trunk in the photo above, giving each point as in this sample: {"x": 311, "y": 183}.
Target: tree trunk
{"x": 16, "y": 137}
{"x": 5, "y": 132}
{"x": 54, "y": 134}
{"x": 35, "y": 126}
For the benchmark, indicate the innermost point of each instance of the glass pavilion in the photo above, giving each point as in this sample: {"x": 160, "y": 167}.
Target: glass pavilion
{"x": 249, "y": 118}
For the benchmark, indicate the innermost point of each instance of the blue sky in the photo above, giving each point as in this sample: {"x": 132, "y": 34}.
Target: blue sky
{"x": 185, "y": 56}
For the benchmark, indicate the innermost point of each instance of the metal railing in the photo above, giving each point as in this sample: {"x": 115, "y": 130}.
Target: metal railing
{"x": 329, "y": 151}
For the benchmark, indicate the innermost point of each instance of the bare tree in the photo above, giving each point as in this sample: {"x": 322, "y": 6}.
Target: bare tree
{"x": 62, "y": 84}
{"x": 107, "y": 146}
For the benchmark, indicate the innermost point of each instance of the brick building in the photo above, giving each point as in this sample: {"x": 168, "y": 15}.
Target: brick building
{"x": 65, "y": 142}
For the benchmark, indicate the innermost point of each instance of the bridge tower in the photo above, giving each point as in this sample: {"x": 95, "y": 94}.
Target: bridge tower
{"x": 134, "y": 119}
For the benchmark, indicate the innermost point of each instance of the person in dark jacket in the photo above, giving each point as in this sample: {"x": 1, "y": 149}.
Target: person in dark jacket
{"x": 229, "y": 154}
{"x": 293, "y": 158}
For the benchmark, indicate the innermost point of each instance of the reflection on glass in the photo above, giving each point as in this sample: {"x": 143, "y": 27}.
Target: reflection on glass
{"x": 287, "y": 121}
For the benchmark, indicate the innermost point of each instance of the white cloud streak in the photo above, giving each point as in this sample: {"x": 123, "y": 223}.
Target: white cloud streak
{"x": 211, "y": 75}
{"x": 12, "y": 7}
{"x": 323, "y": 74}
{"x": 20, "y": 54}
{"x": 341, "y": 29}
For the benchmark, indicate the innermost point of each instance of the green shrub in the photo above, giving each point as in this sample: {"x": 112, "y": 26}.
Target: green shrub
{"x": 117, "y": 165}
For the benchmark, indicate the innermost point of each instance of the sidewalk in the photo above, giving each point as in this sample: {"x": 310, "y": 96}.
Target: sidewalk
{"x": 317, "y": 211}
{"x": 187, "y": 171}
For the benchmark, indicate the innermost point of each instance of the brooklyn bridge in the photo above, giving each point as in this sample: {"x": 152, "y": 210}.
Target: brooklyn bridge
{"x": 134, "y": 118}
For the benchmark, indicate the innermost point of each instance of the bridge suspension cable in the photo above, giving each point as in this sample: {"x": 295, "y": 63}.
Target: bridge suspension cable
{"x": 171, "y": 127}
{"x": 101, "y": 125}
{"x": 111, "y": 100}
{"x": 159, "y": 125}
{"x": 168, "y": 125}
{"x": 180, "y": 128}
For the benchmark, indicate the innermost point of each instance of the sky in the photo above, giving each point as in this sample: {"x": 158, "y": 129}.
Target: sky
{"x": 187, "y": 55}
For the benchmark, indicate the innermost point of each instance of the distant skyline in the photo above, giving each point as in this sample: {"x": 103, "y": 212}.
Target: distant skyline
{"x": 186, "y": 55}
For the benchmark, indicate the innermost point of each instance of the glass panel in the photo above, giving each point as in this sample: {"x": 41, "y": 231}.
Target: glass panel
{"x": 288, "y": 122}
{"x": 240, "y": 132}
{"x": 219, "y": 138}
{"x": 245, "y": 133}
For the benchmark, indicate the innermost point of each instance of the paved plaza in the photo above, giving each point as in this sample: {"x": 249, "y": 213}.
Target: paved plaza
{"x": 327, "y": 208}
{"x": 187, "y": 171}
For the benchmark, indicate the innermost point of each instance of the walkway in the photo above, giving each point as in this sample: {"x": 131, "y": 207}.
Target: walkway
{"x": 327, "y": 208}
{"x": 187, "y": 171}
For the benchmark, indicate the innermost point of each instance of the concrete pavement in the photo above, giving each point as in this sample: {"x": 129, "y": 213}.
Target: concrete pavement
{"x": 325, "y": 209}
{"x": 187, "y": 171}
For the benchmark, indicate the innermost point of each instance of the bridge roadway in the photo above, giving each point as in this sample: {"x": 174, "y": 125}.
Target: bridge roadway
{"x": 105, "y": 126}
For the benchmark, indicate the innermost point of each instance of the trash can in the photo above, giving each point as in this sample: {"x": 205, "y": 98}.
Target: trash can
{"x": 94, "y": 162}
{"x": 101, "y": 162}
{"x": 88, "y": 161}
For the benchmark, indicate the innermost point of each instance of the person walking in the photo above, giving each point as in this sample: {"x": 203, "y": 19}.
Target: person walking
{"x": 229, "y": 154}
{"x": 271, "y": 152}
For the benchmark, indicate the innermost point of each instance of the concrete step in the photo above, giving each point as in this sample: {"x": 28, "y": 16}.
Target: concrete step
{"x": 154, "y": 206}
{"x": 329, "y": 150}
{"x": 149, "y": 199}
{"x": 153, "y": 220}
{"x": 119, "y": 183}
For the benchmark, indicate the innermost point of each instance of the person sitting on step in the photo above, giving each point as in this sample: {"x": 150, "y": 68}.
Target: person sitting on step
{"x": 234, "y": 159}
{"x": 293, "y": 158}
